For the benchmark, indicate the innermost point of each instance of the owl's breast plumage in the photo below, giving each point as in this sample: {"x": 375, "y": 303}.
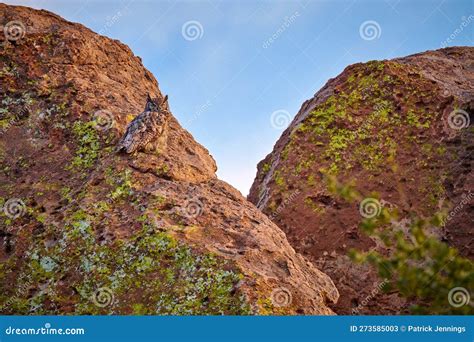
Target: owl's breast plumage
{"x": 143, "y": 129}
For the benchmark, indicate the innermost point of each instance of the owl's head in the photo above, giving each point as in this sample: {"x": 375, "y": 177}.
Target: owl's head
{"x": 155, "y": 105}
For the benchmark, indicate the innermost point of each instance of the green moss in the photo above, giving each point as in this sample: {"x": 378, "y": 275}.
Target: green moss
{"x": 66, "y": 194}
{"x": 420, "y": 266}
{"x": 272, "y": 206}
{"x": 375, "y": 65}
{"x": 304, "y": 164}
{"x": 338, "y": 142}
{"x": 279, "y": 180}
{"x": 266, "y": 306}
{"x": 88, "y": 146}
{"x": 415, "y": 120}
{"x": 315, "y": 207}
{"x": 441, "y": 150}
{"x": 362, "y": 126}
{"x": 162, "y": 170}
{"x": 101, "y": 207}
{"x": 47, "y": 38}
{"x": 123, "y": 186}
{"x": 286, "y": 151}
{"x": 9, "y": 70}
{"x": 351, "y": 79}
{"x": 368, "y": 142}
{"x": 265, "y": 168}
{"x": 5, "y": 123}
{"x": 151, "y": 273}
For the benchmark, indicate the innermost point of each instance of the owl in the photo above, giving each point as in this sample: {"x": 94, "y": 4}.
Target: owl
{"x": 146, "y": 128}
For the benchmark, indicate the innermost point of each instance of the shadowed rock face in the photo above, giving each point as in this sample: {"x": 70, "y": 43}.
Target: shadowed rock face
{"x": 86, "y": 230}
{"x": 386, "y": 126}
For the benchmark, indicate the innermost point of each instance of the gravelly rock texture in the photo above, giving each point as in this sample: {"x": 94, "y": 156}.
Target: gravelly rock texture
{"x": 84, "y": 212}
{"x": 391, "y": 127}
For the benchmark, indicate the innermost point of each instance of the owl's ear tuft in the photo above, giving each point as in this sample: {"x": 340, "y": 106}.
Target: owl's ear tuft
{"x": 148, "y": 98}
{"x": 164, "y": 100}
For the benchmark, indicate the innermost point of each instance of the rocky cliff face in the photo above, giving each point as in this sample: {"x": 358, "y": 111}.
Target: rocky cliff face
{"x": 401, "y": 130}
{"x": 85, "y": 230}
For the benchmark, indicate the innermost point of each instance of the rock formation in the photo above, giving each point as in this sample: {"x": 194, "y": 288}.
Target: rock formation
{"x": 85, "y": 230}
{"x": 401, "y": 129}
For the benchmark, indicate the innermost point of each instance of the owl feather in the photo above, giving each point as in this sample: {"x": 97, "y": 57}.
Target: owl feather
{"x": 145, "y": 127}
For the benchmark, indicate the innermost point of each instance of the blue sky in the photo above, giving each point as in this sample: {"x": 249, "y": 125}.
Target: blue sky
{"x": 224, "y": 75}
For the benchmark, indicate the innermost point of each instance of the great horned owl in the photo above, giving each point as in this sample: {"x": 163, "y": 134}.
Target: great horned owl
{"x": 146, "y": 127}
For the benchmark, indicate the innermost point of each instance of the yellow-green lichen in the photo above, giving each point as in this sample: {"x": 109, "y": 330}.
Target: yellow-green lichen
{"x": 88, "y": 145}
{"x": 151, "y": 273}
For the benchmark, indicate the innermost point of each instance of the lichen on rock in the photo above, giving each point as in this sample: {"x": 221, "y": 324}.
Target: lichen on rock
{"x": 156, "y": 232}
{"x": 384, "y": 127}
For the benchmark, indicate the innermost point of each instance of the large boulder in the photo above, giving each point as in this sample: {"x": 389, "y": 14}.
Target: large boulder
{"x": 85, "y": 230}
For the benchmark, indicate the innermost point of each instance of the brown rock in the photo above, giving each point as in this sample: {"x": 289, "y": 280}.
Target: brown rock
{"x": 61, "y": 163}
{"x": 383, "y": 125}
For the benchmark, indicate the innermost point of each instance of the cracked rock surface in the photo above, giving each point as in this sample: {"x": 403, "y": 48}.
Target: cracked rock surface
{"x": 85, "y": 213}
